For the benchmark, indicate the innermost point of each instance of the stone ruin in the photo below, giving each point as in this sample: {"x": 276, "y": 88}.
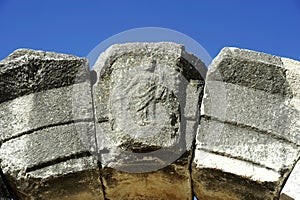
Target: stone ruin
{"x": 149, "y": 122}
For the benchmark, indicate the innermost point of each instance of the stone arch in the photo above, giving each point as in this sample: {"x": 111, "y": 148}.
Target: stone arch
{"x": 246, "y": 147}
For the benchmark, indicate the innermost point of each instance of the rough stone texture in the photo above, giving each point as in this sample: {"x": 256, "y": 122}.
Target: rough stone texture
{"x": 32, "y": 151}
{"x": 146, "y": 106}
{"x": 278, "y": 114}
{"x": 46, "y": 127}
{"x": 248, "y": 140}
{"x": 43, "y": 109}
{"x": 27, "y": 71}
{"x": 292, "y": 186}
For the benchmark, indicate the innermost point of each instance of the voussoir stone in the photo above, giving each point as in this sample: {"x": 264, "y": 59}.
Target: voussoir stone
{"x": 248, "y": 140}
{"x": 147, "y": 111}
{"x": 47, "y": 128}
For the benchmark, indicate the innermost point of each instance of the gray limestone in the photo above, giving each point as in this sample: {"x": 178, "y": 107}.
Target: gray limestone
{"x": 27, "y": 71}
{"x": 32, "y": 150}
{"x": 42, "y": 109}
{"x": 240, "y": 67}
{"x": 244, "y": 105}
{"x": 147, "y": 110}
{"x": 47, "y": 128}
{"x": 249, "y": 129}
{"x": 246, "y": 144}
{"x": 285, "y": 197}
{"x": 292, "y": 186}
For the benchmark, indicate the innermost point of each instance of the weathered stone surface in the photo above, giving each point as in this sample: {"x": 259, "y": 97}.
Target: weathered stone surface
{"x": 31, "y": 151}
{"x": 246, "y": 144}
{"x": 29, "y": 155}
{"x": 240, "y": 67}
{"x": 292, "y": 186}
{"x": 46, "y": 127}
{"x": 248, "y": 140}
{"x": 42, "y": 109}
{"x": 147, "y": 109}
{"x": 269, "y": 113}
{"x": 27, "y": 71}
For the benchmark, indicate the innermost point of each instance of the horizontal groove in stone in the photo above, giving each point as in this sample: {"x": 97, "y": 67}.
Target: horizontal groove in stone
{"x": 267, "y": 112}
{"x": 54, "y": 106}
{"x": 246, "y": 143}
{"x": 57, "y": 161}
{"x": 237, "y": 158}
{"x": 46, "y": 127}
{"x": 206, "y": 159}
{"x": 46, "y": 145}
{"x": 240, "y": 125}
{"x": 70, "y": 166}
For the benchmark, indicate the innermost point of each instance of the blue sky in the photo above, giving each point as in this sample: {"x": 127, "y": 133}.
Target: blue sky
{"x": 77, "y": 26}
